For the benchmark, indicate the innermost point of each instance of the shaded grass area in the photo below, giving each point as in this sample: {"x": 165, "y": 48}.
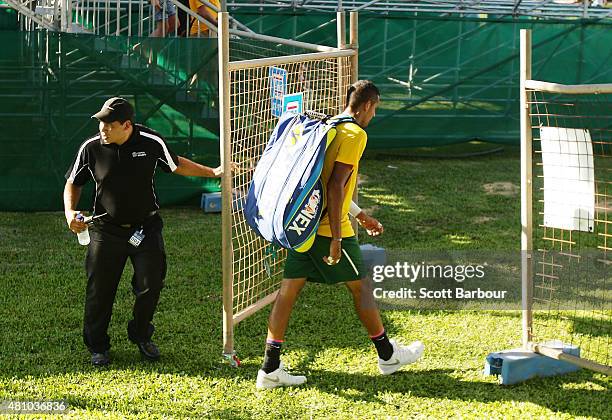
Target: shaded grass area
{"x": 425, "y": 204}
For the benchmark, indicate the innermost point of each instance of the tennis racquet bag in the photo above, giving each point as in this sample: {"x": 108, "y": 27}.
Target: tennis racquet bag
{"x": 286, "y": 198}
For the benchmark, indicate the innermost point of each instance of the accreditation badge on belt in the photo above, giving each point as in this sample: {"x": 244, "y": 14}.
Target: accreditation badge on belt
{"x": 137, "y": 238}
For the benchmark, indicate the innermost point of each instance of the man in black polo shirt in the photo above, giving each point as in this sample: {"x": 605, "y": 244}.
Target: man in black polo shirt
{"x": 122, "y": 159}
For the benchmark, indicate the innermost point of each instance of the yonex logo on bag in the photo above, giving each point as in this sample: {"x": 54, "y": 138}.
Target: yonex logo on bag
{"x": 296, "y": 134}
{"x": 139, "y": 154}
{"x": 307, "y": 214}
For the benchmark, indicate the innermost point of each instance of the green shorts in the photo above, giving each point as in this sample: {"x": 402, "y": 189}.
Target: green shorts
{"x": 310, "y": 264}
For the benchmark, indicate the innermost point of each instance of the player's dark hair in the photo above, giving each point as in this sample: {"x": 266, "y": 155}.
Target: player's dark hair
{"x": 361, "y": 92}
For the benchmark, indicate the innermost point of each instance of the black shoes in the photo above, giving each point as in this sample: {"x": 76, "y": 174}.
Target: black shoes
{"x": 149, "y": 350}
{"x": 100, "y": 359}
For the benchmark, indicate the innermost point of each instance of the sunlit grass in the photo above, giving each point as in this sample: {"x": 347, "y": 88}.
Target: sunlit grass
{"x": 424, "y": 204}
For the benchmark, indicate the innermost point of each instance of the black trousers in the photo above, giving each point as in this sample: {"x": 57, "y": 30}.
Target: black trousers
{"x": 106, "y": 257}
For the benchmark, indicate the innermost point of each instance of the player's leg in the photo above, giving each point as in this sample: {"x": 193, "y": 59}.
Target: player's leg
{"x": 391, "y": 355}
{"x": 365, "y": 306}
{"x": 106, "y": 257}
{"x": 149, "y": 262}
{"x": 272, "y": 373}
{"x": 283, "y": 306}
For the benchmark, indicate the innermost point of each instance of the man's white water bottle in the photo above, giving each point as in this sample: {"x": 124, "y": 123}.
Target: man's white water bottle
{"x": 84, "y": 235}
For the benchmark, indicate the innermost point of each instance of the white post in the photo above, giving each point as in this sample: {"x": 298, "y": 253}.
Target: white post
{"x": 226, "y": 184}
{"x": 526, "y": 192}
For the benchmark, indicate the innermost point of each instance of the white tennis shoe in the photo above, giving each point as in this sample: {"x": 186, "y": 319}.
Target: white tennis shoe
{"x": 402, "y": 356}
{"x": 277, "y": 378}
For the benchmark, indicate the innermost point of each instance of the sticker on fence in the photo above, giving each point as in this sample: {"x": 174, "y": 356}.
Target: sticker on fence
{"x": 293, "y": 103}
{"x": 569, "y": 178}
{"x": 278, "y": 88}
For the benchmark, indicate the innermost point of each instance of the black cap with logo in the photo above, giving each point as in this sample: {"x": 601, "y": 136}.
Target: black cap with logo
{"x": 115, "y": 109}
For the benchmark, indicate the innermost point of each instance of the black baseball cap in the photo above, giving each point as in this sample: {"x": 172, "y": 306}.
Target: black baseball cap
{"x": 115, "y": 109}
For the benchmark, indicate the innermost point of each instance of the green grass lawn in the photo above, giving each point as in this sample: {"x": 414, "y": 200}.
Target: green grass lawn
{"x": 424, "y": 203}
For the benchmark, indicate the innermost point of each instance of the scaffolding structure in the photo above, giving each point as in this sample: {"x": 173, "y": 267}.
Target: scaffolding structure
{"x": 563, "y": 9}
{"x": 135, "y": 17}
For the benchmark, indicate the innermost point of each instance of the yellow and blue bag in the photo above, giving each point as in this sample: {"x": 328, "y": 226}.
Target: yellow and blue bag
{"x": 286, "y": 198}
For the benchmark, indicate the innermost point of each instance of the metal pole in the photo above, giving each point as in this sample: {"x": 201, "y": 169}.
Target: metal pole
{"x": 354, "y": 45}
{"x": 341, "y": 29}
{"x": 88, "y": 6}
{"x": 106, "y": 17}
{"x": 457, "y": 65}
{"x": 526, "y": 191}
{"x": 583, "y": 363}
{"x": 304, "y": 45}
{"x": 592, "y": 89}
{"x": 272, "y": 61}
{"x": 141, "y": 17}
{"x": 129, "y": 18}
{"x": 64, "y": 15}
{"x": 226, "y": 185}
{"x": 341, "y": 35}
{"x": 69, "y": 16}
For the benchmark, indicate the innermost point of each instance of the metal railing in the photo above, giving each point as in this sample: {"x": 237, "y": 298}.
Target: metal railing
{"x": 137, "y": 17}
{"x": 113, "y": 17}
{"x": 132, "y": 18}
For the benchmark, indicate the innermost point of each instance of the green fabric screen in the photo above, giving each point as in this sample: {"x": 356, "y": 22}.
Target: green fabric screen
{"x": 453, "y": 79}
{"x": 443, "y": 81}
{"x": 51, "y": 83}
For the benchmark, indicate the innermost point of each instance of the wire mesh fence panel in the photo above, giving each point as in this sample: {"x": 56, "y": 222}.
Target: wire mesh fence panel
{"x": 572, "y": 200}
{"x": 257, "y": 264}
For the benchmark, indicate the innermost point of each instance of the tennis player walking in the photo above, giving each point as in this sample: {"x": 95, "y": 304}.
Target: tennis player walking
{"x": 335, "y": 256}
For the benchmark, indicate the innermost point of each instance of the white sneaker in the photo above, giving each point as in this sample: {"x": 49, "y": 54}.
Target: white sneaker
{"x": 277, "y": 378}
{"x": 402, "y": 355}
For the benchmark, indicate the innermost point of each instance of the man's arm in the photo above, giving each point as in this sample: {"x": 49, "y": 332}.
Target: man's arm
{"x": 187, "y": 167}
{"x": 335, "y": 197}
{"x": 72, "y": 194}
{"x": 372, "y": 226}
